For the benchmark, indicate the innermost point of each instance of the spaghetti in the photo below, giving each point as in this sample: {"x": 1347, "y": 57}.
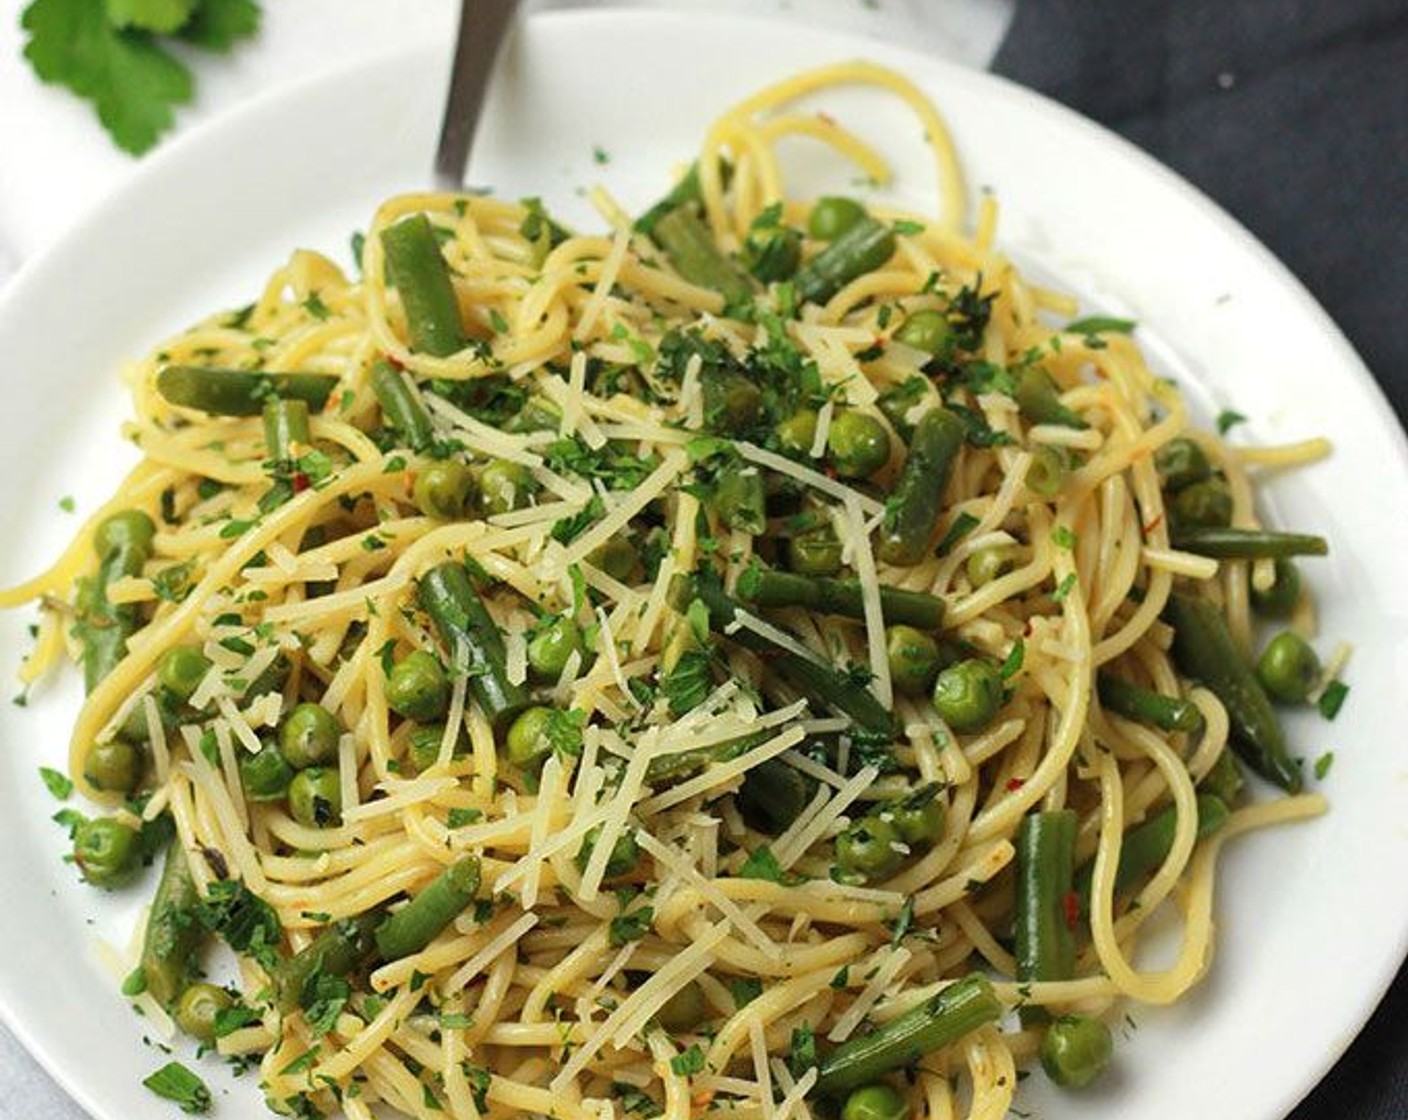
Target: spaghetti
{"x": 525, "y": 576}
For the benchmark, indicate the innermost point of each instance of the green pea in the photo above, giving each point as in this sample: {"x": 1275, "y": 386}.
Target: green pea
{"x": 869, "y": 848}
{"x": 113, "y": 767}
{"x": 988, "y": 564}
{"x": 1180, "y": 463}
{"x": 128, "y": 528}
{"x": 197, "y": 1008}
{"x": 833, "y": 216}
{"x": 1288, "y": 668}
{"x": 265, "y": 774}
{"x": 1278, "y": 600}
{"x": 772, "y": 252}
{"x": 625, "y": 853}
{"x": 875, "y": 1102}
{"x": 106, "y": 851}
{"x": 858, "y": 444}
{"x": 797, "y": 433}
{"x": 423, "y": 745}
{"x": 919, "y": 816}
{"x": 926, "y": 330}
{"x": 968, "y": 694}
{"x": 1203, "y": 505}
{"x": 914, "y": 659}
{"x": 504, "y": 487}
{"x": 1046, "y": 472}
{"x": 418, "y": 687}
{"x": 308, "y": 736}
{"x": 616, "y": 557}
{"x": 315, "y": 797}
{"x": 814, "y": 553}
{"x": 552, "y": 647}
{"x": 684, "y": 1010}
{"x": 1076, "y": 1050}
{"x": 442, "y": 489}
{"x": 527, "y": 741}
{"x": 181, "y": 670}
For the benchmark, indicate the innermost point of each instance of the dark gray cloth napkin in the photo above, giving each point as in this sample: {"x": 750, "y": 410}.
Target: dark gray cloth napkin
{"x": 1293, "y": 115}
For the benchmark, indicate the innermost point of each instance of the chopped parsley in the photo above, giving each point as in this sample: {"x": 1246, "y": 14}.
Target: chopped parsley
{"x": 689, "y": 1062}
{"x": 631, "y": 927}
{"x": 1012, "y": 663}
{"x": 1227, "y": 420}
{"x": 1101, "y": 324}
{"x": 56, "y": 783}
{"x": 1332, "y": 699}
{"x": 962, "y": 525}
{"x": 745, "y": 990}
{"x": 1323, "y": 764}
{"x": 174, "y": 1082}
{"x": 761, "y": 864}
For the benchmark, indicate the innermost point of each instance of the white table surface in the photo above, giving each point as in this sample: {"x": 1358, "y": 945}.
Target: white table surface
{"x": 56, "y": 163}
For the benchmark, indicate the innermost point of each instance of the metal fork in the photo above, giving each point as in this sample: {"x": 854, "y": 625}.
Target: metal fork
{"x": 484, "y": 24}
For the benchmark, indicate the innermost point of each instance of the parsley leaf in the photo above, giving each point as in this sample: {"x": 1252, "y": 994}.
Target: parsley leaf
{"x": 802, "y": 1055}
{"x": 745, "y": 990}
{"x": 162, "y": 16}
{"x": 688, "y": 683}
{"x": 761, "y": 864}
{"x": 132, "y": 82}
{"x": 175, "y": 1082}
{"x": 243, "y": 919}
{"x": 632, "y": 926}
{"x": 1323, "y": 764}
{"x": 1227, "y": 420}
{"x": 688, "y": 1063}
{"x": 57, "y": 784}
{"x": 218, "y": 24}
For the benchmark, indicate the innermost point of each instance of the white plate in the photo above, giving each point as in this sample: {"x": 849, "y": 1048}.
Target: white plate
{"x": 1312, "y": 920}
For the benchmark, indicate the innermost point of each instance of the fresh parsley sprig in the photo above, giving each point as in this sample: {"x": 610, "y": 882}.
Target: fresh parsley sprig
{"x": 113, "y": 53}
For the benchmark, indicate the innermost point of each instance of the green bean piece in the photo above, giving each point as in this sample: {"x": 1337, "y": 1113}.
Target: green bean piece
{"x": 527, "y": 741}
{"x": 1225, "y": 543}
{"x": 448, "y": 596}
{"x": 869, "y": 848}
{"x": 686, "y": 190}
{"x": 926, "y": 329}
{"x": 340, "y": 949}
{"x": 1203, "y": 505}
{"x": 106, "y": 851}
{"x": 690, "y": 247}
{"x": 240, "y": 392}
{"x": 772, "y": 252}
{"x": 181, "y": 669}
{"x": 1278, "y": 600}
{"x": 797, "y": 433}
{"x": 414, "y": 926}
{"x": 266, "y": 774}
{"x": 1045, "y": 922}
{"x": 625, "y": 853}
{"x": 418, "y": 687}
{"x": 1224, "y": 779}
{"x": 1146, "y": 846}
{"x": 988, "y": 564}
{"x": 1180, "y": 463}
{"x": 919, "y": 816}
{"x": 1203, "y": 648}
{"x": 820, "y": 682}
{"x": 1168, "y": 713}
{"x": 914, "y": 659}
{"x": 173, "y": 934}
{"x": 833, "y": 216}
{"x": 769, "y": 588}
{"x": 505, "y": 487}
{"x": 1046, "y": 473}
{"x": 732, "y": 403}
{"x": 939, "y": 1021}
{"x": 401, "y": 409}
{"x": 968, "y": 694}
{"x": 740, "y": 499}
{"x": 308, "y": 736}
{"x": 114, "y": 766}
{"x": 285, "y": 426}
{"x": 913, "y": 509}
{"x": 551, "y": 647}
{"x": 879, "y": 1101}
{"x": 197, "y": 1008}
{"x": 421, "y": 275}
{"x": 442, "y": 490}
{"x": 684, "y": 1010}
{"x": 123, "y": 543}
{"x": 863, "y": 248}
{"x": 773, "y": 795}
{"x": 1288, "y": 668}
{"x": 1076, "y": 1050}
{"x": 1039, "y": 400}
{"x": 814, "y": 553}
{"x": 315, "y": 797}
{"x": 857, "y": 444}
